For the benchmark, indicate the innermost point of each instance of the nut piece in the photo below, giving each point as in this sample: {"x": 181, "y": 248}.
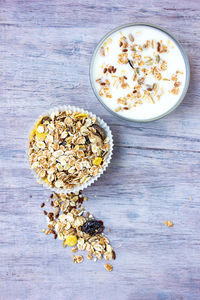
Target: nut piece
{"x": 108, "y": 267}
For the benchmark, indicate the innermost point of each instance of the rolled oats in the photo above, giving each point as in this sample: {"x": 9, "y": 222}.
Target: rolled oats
{"x": 78, "y": 259}
{"x": 108, "y": 267}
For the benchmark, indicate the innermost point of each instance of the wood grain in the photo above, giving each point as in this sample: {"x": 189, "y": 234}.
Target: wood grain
{"x": 45, "y": 51}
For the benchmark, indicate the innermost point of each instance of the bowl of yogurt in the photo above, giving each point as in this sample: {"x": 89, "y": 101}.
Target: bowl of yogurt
{"x": 139, "y": 72}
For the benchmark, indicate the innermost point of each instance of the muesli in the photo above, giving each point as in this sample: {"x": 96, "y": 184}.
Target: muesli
{"x": 69, "y": 222}
{"x": 139, "y": 72}
{"x": 67, "y": 148}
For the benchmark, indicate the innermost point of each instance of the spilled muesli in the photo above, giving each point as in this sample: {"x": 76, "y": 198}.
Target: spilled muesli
{"x": 67, "y": 148}
{"x": 68, "y": 221}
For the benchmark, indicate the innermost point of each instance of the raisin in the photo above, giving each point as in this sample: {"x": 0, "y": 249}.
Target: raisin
{"x": 93, "y": 227}
{"x": 87, "y": 141}
{"x": 99, "y": 131}
{"x": 64, "y": 143}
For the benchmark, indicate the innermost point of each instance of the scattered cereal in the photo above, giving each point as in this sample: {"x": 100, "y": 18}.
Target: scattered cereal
{"x": 89, "y": 256}
{"x": 74, "y": 249}
{"x": 169, "y": 223}
{"x": 108, "y": 267}
{"x": 78, "y": 229}
{"x": 78, "y": 259}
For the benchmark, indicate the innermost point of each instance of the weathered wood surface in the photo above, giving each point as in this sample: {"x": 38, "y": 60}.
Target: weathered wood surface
{"x": 45, "y": 50}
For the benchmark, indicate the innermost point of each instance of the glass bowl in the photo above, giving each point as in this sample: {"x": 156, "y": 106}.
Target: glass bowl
{"x": 187, "y": 68}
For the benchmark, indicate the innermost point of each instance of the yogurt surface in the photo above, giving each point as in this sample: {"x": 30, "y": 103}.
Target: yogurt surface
{"x": 139, "y": 72}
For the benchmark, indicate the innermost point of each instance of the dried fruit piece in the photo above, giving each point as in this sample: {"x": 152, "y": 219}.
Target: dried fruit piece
{"x": 81, "y": 116}
{"x": 93, "y": 227}
{"x": 41, "y": 135}
{"x": 32, "y": 134}
{"x": 100, "y": 131}
{"x": 46, "y": 180}
{"x": 97, "y": 161}
{"x": 71, "y": 241}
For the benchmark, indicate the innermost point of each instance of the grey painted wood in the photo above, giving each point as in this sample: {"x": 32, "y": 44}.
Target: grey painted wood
{"x": 45, "y": 50}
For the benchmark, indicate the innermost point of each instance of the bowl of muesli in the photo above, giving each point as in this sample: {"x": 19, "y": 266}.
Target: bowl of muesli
{"x": 69, "y": 148}
{"x": 139, "y": 72}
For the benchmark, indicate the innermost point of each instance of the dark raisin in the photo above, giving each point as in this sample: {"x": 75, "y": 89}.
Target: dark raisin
{"x": 80, "y": 199}
{"x": 64, "y": 143}
{"x": 158, "y": 46}
{"x": 113, "y": 254}
{"x": 50, "y": 216}
{"x": 100, "y": 131}
{"x": 105, "y": 70}
{"x": 93, "y": 227}
{"x": 87, "y": 141}
{"x": 46, "y": 118}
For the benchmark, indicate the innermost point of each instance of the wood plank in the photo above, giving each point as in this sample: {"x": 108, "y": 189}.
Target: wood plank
{"x": 45, "y": 51}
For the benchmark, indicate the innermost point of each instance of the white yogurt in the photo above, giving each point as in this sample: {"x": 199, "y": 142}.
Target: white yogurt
{"x": 161, "y": 89}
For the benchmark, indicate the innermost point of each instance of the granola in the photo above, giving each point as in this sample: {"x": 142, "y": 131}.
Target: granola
{"x": 77, "y": 229}
{"x": 67, "y": 148}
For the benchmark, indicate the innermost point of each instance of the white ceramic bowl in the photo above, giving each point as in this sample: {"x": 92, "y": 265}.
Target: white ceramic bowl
{"x": 187, "y": 68}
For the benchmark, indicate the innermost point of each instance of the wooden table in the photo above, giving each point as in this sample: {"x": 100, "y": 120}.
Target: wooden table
{"x": 45, "y": 51}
